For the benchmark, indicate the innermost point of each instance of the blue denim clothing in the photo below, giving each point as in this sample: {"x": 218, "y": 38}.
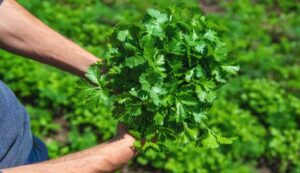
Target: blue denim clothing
{"x": 15, "y": 134}
{"x": 38, "y": 152}
{"x": 17, "y": 146}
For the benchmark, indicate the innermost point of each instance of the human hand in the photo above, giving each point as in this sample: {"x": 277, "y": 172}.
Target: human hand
{"x": 119, "y": 150}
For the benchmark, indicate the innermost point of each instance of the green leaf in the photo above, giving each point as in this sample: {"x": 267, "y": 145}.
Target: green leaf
{"x": 189, "y": 75}
{"x": 160, "y": 60}
{"x": 93, "y": 74}
{"x": 191, "y": 133}
{"x": 155, "y": 29}
{"x": 134, "y": 110}
{"x": 150, "y": 145}
{"x": 176, "y": 66}
{"x": 134, "y": 61}
{"x": 211, "y": 35}
{"x": 130, "y": 46}
{"x": 201, "y": 94}
{"x": 208, "y": 84}
{"x": 157, "y": 90}
{"x": 211, "y": 96}
{"x": 133, "y": 92}
{"x": 136, "y": 135}
{"x": 175, "y": 47}
{"x": 159, "y": 119}
{"x": 224, "y": 140}
{"x": 155, "y": 93}
{"x": 160, "y": 17}
{"x": 220, "y": 52}
{"x": 146, "y": 86}
{"x": 199, "y": 117}
{"x": 138, "y": 145}
{"x": 180, "y": 112}
{"x": 218, "y": 76}
{"x": 122, "y": 35}
{"x": 199, "y": 71}
{"x": 231, "y": 69}
{"x": 187, "y": 100}
{"x": 210, "y": 141}
{"x": 200, "y": 48}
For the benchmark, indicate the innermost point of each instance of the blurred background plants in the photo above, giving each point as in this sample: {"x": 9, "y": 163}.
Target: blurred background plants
{"x": 261, "y": 106}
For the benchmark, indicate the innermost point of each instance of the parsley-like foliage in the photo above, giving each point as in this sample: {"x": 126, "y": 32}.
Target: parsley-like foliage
{"x": 163, "y": 75}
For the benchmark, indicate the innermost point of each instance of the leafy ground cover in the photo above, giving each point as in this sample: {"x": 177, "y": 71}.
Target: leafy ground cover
{"x": 261, "y": 106}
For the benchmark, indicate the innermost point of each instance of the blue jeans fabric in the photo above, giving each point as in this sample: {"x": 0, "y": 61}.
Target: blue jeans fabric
{"x": 39, "y": 152}
{"x": 17, "y": 145}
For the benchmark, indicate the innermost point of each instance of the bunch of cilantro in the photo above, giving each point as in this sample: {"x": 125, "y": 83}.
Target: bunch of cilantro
{"x": 162, "y": 76}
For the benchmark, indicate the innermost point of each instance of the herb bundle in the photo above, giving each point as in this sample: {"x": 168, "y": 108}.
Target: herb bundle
{"x": 162, "y": 77}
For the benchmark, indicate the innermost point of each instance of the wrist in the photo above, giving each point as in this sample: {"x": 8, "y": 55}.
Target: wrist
{"x": 86, "y": 63}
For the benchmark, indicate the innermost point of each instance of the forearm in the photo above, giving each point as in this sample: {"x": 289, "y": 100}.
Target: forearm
{"x": 23, "y": 34}
{"x": 104, "y": 158}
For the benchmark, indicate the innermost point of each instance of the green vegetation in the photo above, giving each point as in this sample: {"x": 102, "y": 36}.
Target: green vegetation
{"x": 261, "y": 107}
{"x": 162, "y": 77}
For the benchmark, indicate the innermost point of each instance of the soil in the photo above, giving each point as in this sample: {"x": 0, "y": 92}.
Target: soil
{"x": 210, "y": 6}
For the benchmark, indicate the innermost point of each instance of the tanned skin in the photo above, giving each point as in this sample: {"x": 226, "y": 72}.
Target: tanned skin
{"x": 23, "y": 34}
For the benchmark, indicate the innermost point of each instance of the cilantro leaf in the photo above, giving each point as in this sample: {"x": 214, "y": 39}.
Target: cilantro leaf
{"x": 122, "y": 35}
{"x": 211, "y": 35}
{"x": 134, "y": 61}
{"x": 160, "y": 17}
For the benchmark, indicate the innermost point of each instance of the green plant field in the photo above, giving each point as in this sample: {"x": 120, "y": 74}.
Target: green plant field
{"x": 261, "y": 106}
